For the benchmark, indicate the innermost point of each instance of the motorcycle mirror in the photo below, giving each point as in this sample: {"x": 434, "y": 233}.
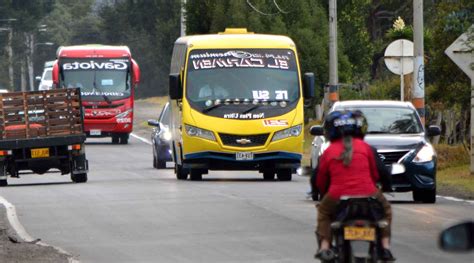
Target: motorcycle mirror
{"x": 398, "y": 168}
{"x": 458, "y": 238}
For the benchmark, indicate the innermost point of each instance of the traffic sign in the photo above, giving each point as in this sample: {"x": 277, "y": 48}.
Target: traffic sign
{"x": 398, "y": 57}
{"x": 461, "y": 53}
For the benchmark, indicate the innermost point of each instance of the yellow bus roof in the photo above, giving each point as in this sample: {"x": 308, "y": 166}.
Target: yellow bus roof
{"x": 236, "y": 38}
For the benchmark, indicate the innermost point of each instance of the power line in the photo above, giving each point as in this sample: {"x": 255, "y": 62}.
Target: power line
{"x": 258, "y": 11}
{"x": 279, "y": 9}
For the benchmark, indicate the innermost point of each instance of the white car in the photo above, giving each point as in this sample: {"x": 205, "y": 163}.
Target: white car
{"x": 46, "y": 80}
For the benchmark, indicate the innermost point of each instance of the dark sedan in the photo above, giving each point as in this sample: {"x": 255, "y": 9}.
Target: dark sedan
{"x": 161, "y": 139}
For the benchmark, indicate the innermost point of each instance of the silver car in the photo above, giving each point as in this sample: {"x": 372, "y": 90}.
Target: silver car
{"x": 396, "y": 131}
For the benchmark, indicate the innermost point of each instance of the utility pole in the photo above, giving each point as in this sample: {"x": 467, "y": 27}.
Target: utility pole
{"x": 419, "y": 64}
{"x": 182, "y": 18}
{"x": 9, "y": 50}
{"x": 331, "y": 95}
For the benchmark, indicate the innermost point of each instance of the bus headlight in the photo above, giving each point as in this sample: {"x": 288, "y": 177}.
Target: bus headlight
{"x": 123, "y": 114}
{"x": 425, "y": 154}
{"x": 294, "y": 131}
{"x": 198, "y": 132}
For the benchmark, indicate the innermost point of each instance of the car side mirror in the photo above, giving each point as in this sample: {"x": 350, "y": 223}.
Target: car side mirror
{"x": 308, "y": 85}
{"x": 434, "y": 130}
{"x": 38, "y": 78}
{"x": 316, "y": 130}
{"x": 175, "y": 88}
{"x": 457, "y": 238}
{"x": 154, "y": 123}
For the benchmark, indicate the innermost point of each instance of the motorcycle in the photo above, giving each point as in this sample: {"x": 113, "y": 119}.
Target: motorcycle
{"x": 357, "y": 228}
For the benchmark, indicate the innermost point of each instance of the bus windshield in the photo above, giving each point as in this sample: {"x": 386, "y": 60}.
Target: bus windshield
{"x": 97, "y": 77}
{"x": 237, "y": 76}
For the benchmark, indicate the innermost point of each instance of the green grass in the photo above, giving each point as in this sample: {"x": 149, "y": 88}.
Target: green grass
{"x": 456, "y": 181}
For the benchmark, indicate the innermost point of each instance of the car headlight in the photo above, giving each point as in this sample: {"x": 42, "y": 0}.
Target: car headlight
{"x": 425, "y": 154}
{"x": 290, "y": 132}
{"x": 123, "y": 114}
{"x": 166, "y": 135}
{"x": 198, "y": 132}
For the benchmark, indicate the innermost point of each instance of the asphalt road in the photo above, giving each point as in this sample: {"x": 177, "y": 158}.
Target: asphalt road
{"x": 130, "y": 212}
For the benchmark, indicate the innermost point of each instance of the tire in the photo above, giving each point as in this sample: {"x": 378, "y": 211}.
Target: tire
{"x": 124, "y": 138}
{"x": 196, "y": 175}
{"x": 155, "y": 161}
{"x": 79, "y": 178}
{"x": 181, "y": 174}
{"x": 425, "y": 196}
{"x": 269, "y": 176}
{"x": 160, "y": 164}
{"x": 41, "y": 170}
{"x": 3, "y": 182}
{"x": 284, "y": 175}
{"x": 115, "y": 139}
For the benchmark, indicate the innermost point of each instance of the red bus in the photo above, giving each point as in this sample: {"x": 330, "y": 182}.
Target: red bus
{"x": 107, "y": 77}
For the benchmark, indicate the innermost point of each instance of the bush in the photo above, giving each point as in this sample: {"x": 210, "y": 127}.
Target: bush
{"x": 451, "y": 155}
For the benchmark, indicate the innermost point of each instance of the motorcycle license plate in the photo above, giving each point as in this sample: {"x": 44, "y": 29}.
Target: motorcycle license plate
{"x": 359, "y": 233}
{"x": 40, "y": 153}
{"x": 244, "y": 156}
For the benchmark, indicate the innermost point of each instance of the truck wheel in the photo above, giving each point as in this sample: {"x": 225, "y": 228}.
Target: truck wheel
{"x": 284, "y": 175}
{"x": 3, "y": 182}
{"x": 425, "y": 196}
{"x": 196, "y": 175}
{"x": 268, "y": 175}
{"x": 181, "y": 173}
{"x": 124, "y": 138}
{"x": 79, "y": 178}
{"x": 115, "y": 139}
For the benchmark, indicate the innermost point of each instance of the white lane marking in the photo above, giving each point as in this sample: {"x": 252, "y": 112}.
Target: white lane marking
{"x": 140, "y": 138}
{"x": 456, "y": 199}
{"x": 21, "y": 232}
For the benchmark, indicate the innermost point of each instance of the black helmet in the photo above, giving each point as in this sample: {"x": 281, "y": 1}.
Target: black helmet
{"x": 330, "y": 131}
{"x": 361, "y": 124}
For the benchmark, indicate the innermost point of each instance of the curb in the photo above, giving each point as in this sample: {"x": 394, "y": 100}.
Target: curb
{"x": 20, "y": 231}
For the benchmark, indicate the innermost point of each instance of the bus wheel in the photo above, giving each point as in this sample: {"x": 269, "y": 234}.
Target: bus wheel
{"x": 268, "y": 175}
{"x": 196, "y": 175}
{"x": 124, "y": 138}
{"x": 181, "y": 174}
{"x": 284, "y": 175}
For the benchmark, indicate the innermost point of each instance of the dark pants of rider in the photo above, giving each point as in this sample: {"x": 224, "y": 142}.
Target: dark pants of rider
{"x": 327, "y": 208}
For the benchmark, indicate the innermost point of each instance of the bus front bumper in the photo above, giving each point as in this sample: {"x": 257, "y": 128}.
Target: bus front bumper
{"x": 229, "y": 161}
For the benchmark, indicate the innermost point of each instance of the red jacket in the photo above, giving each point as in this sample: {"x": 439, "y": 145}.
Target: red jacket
{"x": 358, "y": 178}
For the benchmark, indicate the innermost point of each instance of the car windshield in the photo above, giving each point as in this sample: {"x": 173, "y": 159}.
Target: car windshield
{"x": 256, "y": 74}
{"x": 48, "y": 74}
{"x": 391, "y": 120}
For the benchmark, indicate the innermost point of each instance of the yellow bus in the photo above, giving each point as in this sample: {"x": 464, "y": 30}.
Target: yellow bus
{"x": 237, "y": 104}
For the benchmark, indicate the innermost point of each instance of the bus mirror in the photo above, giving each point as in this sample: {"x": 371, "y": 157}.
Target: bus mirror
{"x": 175, "y": 89}
{"x": 55, "y": 74}
{"x": 136, "y": 72}
{"x": 308, "y": 85}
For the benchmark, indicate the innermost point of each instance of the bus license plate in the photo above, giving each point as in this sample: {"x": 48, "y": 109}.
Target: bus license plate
{"x": 40, "y": 153}
{"x": 244, "y": 156}
{"x": 359, "y": 233}
{"x": 95, "y": 132}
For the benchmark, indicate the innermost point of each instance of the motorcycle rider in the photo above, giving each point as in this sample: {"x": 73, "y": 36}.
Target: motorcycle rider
{"x": 347, "y": 167}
